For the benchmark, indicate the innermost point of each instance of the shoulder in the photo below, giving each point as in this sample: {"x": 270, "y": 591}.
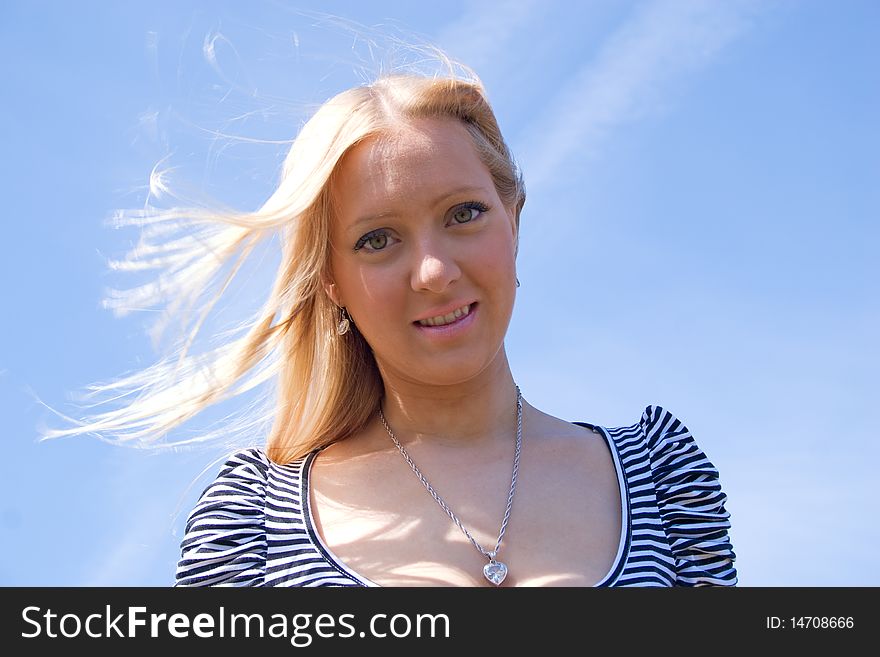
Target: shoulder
{"x": 690, "y": 499}
{"x": 246, "y": 466}
{"x": 669, "y": 441}
{"x": 225, "y": 538}
{"x": 660, "y": 435}
{"x": 240, "y": 484}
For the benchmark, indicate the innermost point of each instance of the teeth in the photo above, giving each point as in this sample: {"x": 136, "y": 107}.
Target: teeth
{"x": 440, "y": 320}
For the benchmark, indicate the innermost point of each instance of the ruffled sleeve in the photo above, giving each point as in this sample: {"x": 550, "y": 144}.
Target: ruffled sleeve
{"x": 691, "y": 502}
{"x": 225, "y": 541}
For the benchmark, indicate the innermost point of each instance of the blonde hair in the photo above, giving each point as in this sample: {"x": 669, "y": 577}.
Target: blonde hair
{"x": 327, "y": 385}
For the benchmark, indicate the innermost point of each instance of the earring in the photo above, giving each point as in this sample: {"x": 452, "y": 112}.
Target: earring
{"x": 517, "y": 282}
{"x": 344, "y": 323}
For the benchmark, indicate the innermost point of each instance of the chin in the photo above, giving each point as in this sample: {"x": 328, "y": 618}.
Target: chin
{"x": 445, "y": 370}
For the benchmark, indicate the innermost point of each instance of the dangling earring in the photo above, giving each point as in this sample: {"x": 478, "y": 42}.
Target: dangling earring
{"x": 517, "y": 282}
{"x": 344, "y": 323}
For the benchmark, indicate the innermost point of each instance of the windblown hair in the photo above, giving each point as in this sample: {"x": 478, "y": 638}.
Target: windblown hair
{"x": 327, "y": 386}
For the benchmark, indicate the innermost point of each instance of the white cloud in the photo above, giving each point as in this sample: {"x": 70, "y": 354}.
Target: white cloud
{"x": 481, "y": 36}
{"x": 659, "y": 43}
{"x": 131, "y": 557}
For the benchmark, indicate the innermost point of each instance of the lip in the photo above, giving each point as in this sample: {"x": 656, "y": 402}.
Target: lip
{"x": 452, "y": 330}
{"x": 443, "y": 310}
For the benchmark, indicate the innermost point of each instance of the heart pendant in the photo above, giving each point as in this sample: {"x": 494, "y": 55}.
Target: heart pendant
{"x": 495, "y": 572}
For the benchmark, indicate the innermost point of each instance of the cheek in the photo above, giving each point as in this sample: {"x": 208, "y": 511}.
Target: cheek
{"x": 378, "y": 294}
{"x": 494, "y": 256}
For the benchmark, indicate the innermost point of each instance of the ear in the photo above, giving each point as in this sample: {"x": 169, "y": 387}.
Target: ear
{"x": 333, "y": 292}
{"x": 513, "y": 215}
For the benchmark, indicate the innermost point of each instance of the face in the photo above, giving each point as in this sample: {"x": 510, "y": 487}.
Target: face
{"x": 420, "y": 233}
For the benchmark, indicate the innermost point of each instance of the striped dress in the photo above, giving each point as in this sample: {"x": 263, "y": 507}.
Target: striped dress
{"x": 253, "y": 527}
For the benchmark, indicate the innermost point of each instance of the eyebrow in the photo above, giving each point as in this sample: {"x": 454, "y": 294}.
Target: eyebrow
{"x": 437, "y": 201}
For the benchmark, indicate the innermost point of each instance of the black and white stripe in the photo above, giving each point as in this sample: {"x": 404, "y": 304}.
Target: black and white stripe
{"x": 252, "y": 526}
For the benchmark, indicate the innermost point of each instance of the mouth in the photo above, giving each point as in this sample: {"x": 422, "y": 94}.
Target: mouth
{"x": 450, "y": 318}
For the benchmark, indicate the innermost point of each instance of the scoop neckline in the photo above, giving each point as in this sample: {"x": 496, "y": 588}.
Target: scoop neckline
{"x": 342, "y": 567}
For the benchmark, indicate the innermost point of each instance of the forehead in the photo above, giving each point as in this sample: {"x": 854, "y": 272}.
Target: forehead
{"x": 415, "y": 163}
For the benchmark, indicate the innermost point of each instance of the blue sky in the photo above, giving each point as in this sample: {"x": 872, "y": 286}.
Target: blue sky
{"x": 699, "y": 233}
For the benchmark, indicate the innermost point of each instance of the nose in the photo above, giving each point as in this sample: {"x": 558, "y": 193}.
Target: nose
{"x": 434, "y": 267}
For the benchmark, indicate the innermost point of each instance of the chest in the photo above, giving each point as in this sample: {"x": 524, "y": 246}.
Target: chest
{"x": 380, "y": 520}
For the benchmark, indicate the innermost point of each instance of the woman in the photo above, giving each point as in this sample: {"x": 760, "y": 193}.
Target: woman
{"x": 402, "y": 451}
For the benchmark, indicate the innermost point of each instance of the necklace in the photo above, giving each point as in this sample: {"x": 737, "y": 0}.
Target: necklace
{"x": 494, "y": 571}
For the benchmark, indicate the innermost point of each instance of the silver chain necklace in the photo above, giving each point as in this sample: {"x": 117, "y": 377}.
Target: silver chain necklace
{"x": 494, "y": 571}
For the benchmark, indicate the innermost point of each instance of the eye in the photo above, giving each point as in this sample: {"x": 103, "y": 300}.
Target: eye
{"x": 469, "y": 211}
{"x": 377, "y": 241}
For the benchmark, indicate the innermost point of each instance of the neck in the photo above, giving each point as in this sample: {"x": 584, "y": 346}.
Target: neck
{"x": 480, "y": 410}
